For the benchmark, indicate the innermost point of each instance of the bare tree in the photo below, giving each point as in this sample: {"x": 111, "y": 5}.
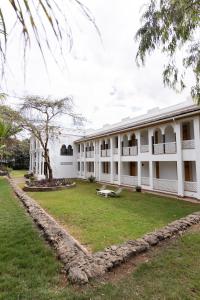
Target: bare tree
{"x": 38, "y": 116}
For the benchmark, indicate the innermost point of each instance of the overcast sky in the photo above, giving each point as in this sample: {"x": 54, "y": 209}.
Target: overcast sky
{"x": 102, "y": 77}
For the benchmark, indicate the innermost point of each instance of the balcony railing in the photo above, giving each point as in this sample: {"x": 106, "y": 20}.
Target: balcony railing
{"x": 158, "y": 148}
{"x": 165, "y": 185}
{"x": 89, "y": 154}
{"x": 144, "y": 148}
{"x": 190, "y": 186}
{"x": 170, "y": 148}
{"x": 165, "y": 148}
{"x": 105, "y": 153}
{"x": 115, "y": 177}
{"x": 105, "y": 177}
{"x": 115, "y": 151}
{"x": 129, "y": 180}
{"x": 145, "y": 180}
{"x": 88, "y": 174}
{"x": 188, "y": 144}
{"x": 130, "y": 151}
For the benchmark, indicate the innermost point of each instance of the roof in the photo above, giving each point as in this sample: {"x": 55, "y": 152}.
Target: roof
{"x": 154, "y": 116}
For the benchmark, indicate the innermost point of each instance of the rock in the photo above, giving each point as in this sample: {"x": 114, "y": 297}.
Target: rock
{"x": 76, "y": 275}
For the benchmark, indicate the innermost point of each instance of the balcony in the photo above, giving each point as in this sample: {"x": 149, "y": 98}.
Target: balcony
{"x": 89, "y": 154}
{"x": 144, "y": 148}
{"x": 115, "y": 151}
{"x": 165, "y": 148}
{"x": 88, "y": 174}
{"x": 105, "y": 177}
{"x": 190, "y": 186}
{"x": 129, "y": 180}
{"x": 105, "y": 153}
{"x": 165, "y": 185}
{"x": 188, "y": 144}
{"x": 130, "y": 151}
{"x": 145, "y": 180}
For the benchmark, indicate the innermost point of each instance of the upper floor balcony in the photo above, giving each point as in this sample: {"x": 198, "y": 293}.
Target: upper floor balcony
{"x": 89, "y": 154}
{"x": 130, "y": 151}
{"x": 105, "y": 153}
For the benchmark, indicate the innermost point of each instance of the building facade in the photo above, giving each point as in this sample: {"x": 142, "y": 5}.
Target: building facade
{"x": 159, "y": 151}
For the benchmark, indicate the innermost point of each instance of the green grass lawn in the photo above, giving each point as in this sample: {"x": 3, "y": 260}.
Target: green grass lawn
{"x": 98, "y": 222}
{"x": 18, "y": 173}
{"x": 30, "y": 271}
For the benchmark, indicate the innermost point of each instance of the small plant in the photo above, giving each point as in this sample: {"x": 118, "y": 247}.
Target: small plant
{"x": 91, "y": 179}
{"x": 138, "y": 188}
{"x": 28, "y": 175}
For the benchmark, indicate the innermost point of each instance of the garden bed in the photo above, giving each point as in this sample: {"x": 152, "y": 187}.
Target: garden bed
{"x": 27, "y": 188}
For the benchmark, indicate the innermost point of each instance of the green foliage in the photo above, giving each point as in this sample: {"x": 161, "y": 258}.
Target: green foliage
{"x": 99, "y": 222}
{"x": 173, "y": 25}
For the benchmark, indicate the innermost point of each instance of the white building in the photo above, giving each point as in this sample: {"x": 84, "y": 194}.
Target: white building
{"x": 159, "y": 151}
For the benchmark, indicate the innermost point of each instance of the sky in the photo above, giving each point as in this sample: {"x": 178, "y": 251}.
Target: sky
{"x": 102, "y": 76}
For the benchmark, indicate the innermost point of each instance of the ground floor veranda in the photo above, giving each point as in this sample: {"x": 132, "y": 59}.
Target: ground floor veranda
{"x": 161, "y": 176}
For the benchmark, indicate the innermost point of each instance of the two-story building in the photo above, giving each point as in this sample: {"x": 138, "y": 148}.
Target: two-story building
{"x": 159, "y": 151}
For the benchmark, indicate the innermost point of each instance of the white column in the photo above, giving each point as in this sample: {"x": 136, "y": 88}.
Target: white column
{"x": 139, "y": 173}
{"x": 99, "y": 160}
{"x": 84, "y": 157}
{"x": 94, "y": 143}
{"x": 151, "y": 165}
{"x": 111, "y": 161}
{"x": 197, "y": 148}
{"x": 180, "y": 173}
{"x": 119, "y": 158}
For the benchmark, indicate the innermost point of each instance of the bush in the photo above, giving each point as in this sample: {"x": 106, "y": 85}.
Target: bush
{"x": 46, "y": 183}
{"x": 138, "y": 188}
{"x": 91, "y": 179}
{"x": 28, "y": 175}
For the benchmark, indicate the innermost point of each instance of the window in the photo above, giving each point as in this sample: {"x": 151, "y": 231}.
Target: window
{"x": 68, "y": 151}
{"x": 79, "y": 166}
{"x": 105, "y": 167}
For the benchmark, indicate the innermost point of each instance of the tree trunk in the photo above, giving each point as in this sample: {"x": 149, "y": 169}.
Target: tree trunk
{"x": 49, "y": 173}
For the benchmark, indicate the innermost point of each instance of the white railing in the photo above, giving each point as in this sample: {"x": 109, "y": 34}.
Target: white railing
{"x": 188, "y": 144}
{"x": 129, "y": 180}
{"x": 89, "y": 154}
{"x": 129, "y": 151}
{"x": 145, "y": 180}
{"x": 105, "y": 177}
{"x": 115, "y": 151}
{"x": 190, "y": 186}
{"x": 170, "y": 147}
{"x": 78, "y": 155}
{"x": 105, "y": 153}
{"x": 115, "y": 177}
{"x": 144, "y": 148}
{"x": 158, "y": 148}
{"x": 165, "y": 185}
{"x": 88, "y": 174}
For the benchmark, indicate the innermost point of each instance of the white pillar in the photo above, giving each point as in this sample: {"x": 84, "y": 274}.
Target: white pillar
{"x": 119, "y": 158}
{"x": 151, "y": 174}
{"x": 84, "y": 157}
{"x": 139, "y": 173}
{"x": 180, "y": 173}
{"x": 94, "y": 143}
{"x": 111, "y": 161}
{"x": 99, "y": 160}
{"x": 197, "y": 149}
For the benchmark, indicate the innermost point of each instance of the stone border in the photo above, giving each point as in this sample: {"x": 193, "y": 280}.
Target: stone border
{"x": 27, "y": 188}
{"x": 81, "y": 266}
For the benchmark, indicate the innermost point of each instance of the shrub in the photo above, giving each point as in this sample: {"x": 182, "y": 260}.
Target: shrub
{"x": 91, "y": 179}
{"x": 138, "y": 188}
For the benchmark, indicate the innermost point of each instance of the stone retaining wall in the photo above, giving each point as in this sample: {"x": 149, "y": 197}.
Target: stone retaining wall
{"x": 81, "y": 266}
